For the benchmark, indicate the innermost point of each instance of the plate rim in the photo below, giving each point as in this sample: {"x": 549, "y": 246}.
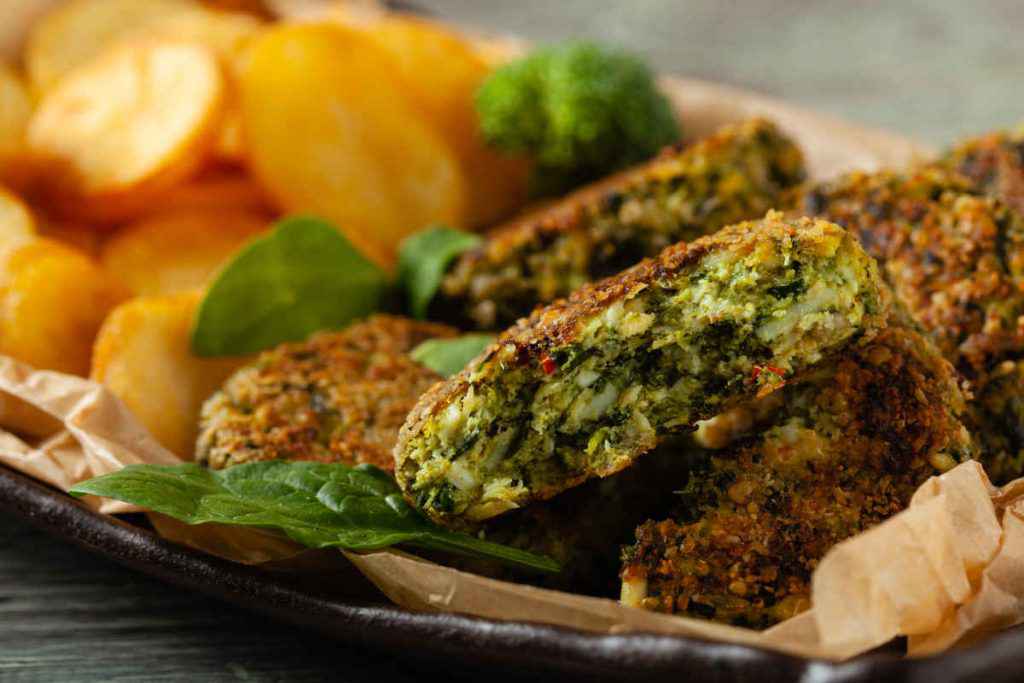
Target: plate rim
{"x": 542, "y": 647}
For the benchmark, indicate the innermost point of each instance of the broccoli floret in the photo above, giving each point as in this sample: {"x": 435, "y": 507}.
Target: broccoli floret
{"x": 580, "y": 110}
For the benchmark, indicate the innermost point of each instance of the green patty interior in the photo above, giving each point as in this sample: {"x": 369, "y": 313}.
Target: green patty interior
{"x": 706, "y": 187}
{"x": 651, "y": 364}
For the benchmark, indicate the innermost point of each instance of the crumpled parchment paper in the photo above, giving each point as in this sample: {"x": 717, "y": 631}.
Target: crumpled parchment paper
{"x": 949, "y": 568}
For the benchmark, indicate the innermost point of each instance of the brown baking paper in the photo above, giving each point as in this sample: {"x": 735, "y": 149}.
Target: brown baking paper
{"x": 948, "y": 569}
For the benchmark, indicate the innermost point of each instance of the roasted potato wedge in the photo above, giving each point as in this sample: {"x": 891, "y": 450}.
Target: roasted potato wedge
{"x": 442, "y": 71}
{"x": 122, "y": 128}
{"x": 227, "y": 34}
{"x": 74, "y": 32}
{"x": 214, "y": 189}
{"x": 230, "y": 145}
{"x": 54, "y": 299}
{"x": 329, "y": 131}
{"x": 180, "y": 250}
{"x": 142, "y": 354}
{"x": 76, "y": 235}
{"x": 15, "y": 110}
{"x": 16, "y": 220}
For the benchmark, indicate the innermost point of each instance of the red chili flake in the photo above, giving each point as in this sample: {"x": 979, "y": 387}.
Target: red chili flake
{"x": 758, "y": 369}
{"x": 548, "y": 364}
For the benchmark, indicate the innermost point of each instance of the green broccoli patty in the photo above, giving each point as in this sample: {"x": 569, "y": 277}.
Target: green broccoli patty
{"x": 736, "y": 174}
{"x": 342, "y": 396}
{"x": 584, "y": 386}
{"x": 956, "y": 260}
{"x": 845, "y": 448}
{"x": 585, "y": 528}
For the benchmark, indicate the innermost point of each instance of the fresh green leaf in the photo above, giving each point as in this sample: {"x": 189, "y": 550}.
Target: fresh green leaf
{"x": 448, "y": 356}
{"x": 321, "y": 505}
{"x": 422, "y": 261}
{"x": 302, "y": 277}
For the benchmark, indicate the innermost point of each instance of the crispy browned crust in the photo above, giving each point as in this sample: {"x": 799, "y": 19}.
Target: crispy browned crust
{"x": 532, "y": 338}
{"x": 956, "y": 259}
{"x": 753, "y": 525}
{"x": 528, "y": 348}
{"x": 993, "y": 163}
{"x": 338, "y": 397}
{"x": 584, "y": 528}
{"x": 556, "y": 248}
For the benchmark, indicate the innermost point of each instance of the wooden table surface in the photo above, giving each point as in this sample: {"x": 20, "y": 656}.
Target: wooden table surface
{"x": 932, "y": 69}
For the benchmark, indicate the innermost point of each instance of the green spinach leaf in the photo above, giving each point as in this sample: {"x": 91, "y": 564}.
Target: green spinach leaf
{"x": 320, "y": 505}
{"x": 301, "y": 278}
{"x": 448, "y": 356}
{"x": 422, "y": 261}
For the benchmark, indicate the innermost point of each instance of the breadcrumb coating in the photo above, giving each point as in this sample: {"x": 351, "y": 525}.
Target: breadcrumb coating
{"x": 736, "y": 174}
{"x": 586, "y": 385}
{"x": 846, "y": 449}
{"x": 956, "y": 260}
{"x": 993, "y": 163}
{"x": 338, "y": 397}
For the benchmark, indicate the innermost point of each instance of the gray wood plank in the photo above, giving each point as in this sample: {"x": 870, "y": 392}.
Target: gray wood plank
{"x": 66, "y": 615}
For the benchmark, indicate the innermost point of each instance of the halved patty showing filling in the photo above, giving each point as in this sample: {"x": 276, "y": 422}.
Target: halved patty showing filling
{"x": 845, "y": 449}
{"x": 584, "y": 529}
{"x": 737, "y": 174}
{"x": 338, "y": 397}
{"x": 342, "y": 396}
{"x": 956, "y": 260}
{"x": 583, "y": 387}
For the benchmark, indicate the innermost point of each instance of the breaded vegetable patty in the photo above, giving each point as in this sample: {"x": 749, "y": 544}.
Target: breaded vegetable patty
{"x": 845, "y": 450}
{"x": 339, "y": 397}
{"x": 584, "y": 386}
{"x": 342, "y": 396}
{"x": 734, "y": 175}
{"x": 584, "y": 529}
{"x": 957, "y": 261}
{"x": 994, "y": 165}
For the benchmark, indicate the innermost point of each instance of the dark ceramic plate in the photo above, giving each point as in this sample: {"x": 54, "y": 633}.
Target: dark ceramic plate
{"x": 361, "y": 615}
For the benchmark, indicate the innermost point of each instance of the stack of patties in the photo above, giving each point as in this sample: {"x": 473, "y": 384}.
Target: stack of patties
{"x": 341, "y": 396}
{"x": 949, "y": 237}
{"x": 709, "y": 422}
{"x": 788, "y": 320}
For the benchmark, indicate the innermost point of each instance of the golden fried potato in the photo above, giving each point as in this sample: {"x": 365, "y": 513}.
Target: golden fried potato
{"x": 15, "y": 110}
{"x": 81, "y": 237}
{"x": 78, "y": 32}
{"x": 230, "y": 145}
{"x": 179, "y": 250}
{"x": 329, "y": 132}
{"x": 74, "y": 32}
{"x": 142, "y": 354}
{"x": 227, "y": 34}
{"x": 214, "y": 189}
{"x": 53, "y": 300}
{"x": 255, "y": 7}
{"x": 122, "y": 128}
{"x": 16, "y": 220}
{"x": 442, "y": 71}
